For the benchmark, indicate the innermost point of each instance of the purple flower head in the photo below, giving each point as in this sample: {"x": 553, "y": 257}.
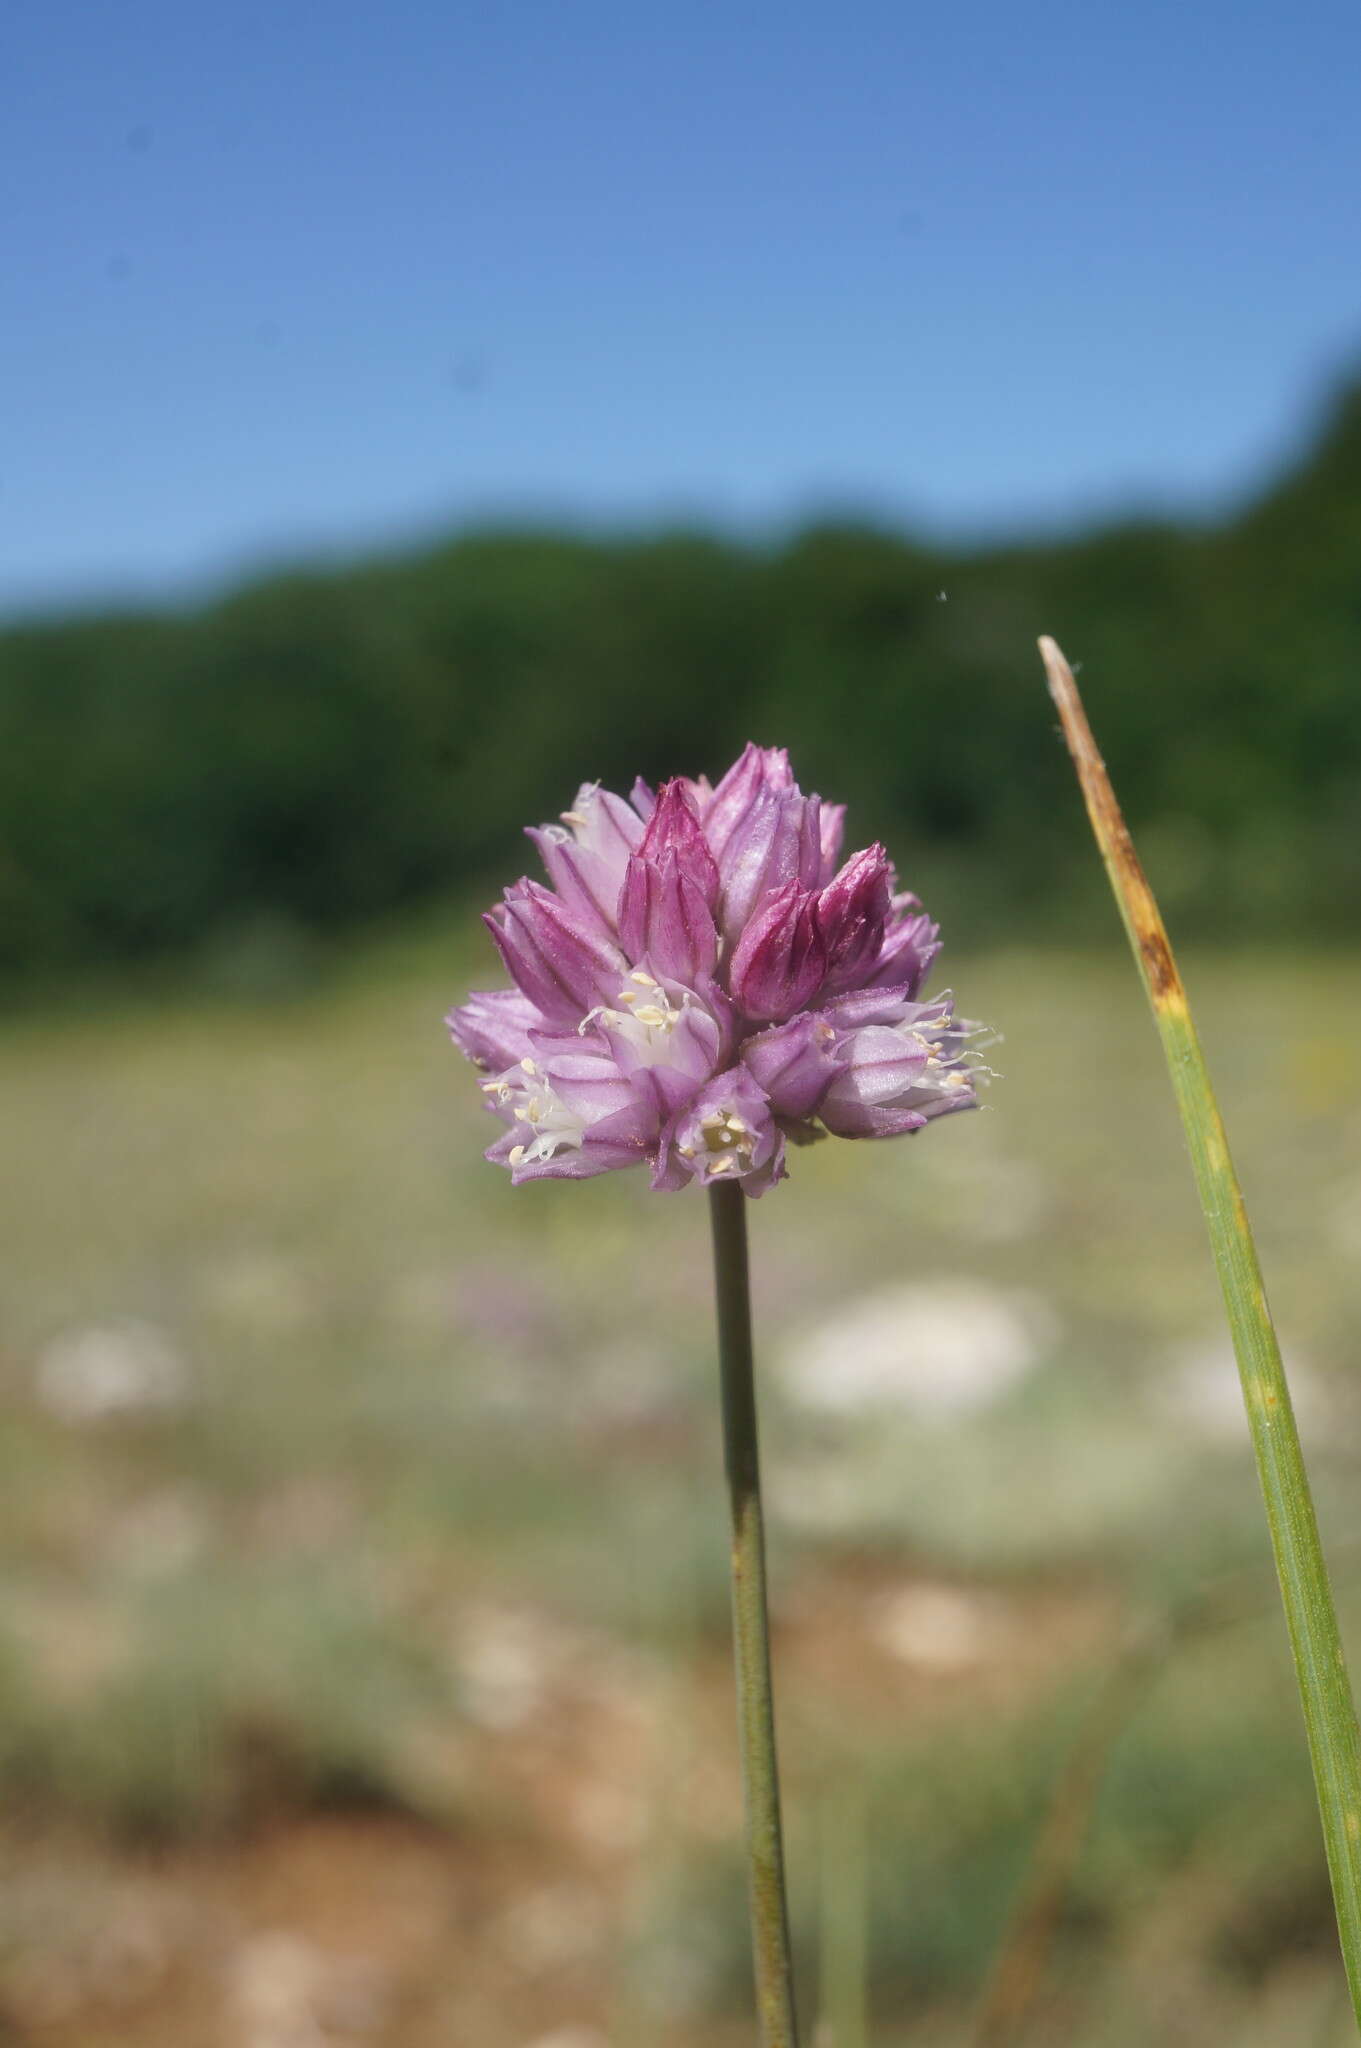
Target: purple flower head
{"x": 702, "y": 982}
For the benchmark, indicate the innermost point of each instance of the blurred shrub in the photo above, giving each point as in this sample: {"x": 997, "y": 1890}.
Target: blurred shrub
{"x": 323, "y": 746}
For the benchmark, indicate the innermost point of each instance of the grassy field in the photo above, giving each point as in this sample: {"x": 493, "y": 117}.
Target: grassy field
{"x": 363, "y": 1608}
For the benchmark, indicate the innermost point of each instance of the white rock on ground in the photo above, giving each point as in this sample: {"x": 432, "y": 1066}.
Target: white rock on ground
{"x": 938, "y": 1629}
{"x": 946, "y": 1347}
{"x": 108, "y": 1369}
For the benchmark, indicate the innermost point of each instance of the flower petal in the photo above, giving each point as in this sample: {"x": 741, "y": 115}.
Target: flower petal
{"x": 773, "y": 843}
{"x": 794, "y": 1064}
{"x": 492, "y": 1028}
{"x": 585, "y": 856}
{"x": 727, "y": 1133}
{"x": 562, "y": 964}
{"x": 674, "y": 829}
{"x": 900, "y": 1076}
{"x": 909, "y": 950}
{"x": 665, "y": 921}
{"x": 853, "y": 910}
{"x": 831, "y": 832}
{"x": 781, "y": 957}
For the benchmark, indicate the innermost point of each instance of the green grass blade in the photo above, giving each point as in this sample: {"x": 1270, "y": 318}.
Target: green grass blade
{"x": 1015, "y": 1980}
{"x": 1320, "y": 1667}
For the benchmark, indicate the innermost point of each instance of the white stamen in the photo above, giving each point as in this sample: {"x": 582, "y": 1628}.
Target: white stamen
{"x": 948, "y": 1068}
{"x": 612, "y": 1018}
{"x": 535, "y": 1104}
{"x": 729, "y": 1144}
{"x": 649, "y": 1016}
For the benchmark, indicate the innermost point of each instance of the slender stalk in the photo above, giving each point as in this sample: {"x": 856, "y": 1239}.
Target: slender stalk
{"x": 751, "y": 1626}
{"x": 1325, "y": 1694}
{"x": 1017, "y": 1974}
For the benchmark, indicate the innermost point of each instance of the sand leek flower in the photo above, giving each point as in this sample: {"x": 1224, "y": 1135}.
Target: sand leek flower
{"x": 702, "y": 982}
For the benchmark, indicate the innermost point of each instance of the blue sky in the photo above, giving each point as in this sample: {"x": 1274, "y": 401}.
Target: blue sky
{"x": 287, "y": 279}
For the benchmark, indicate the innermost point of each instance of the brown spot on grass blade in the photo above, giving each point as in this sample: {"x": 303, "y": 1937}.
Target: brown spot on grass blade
{"x": 1159, "y": 965}
{"x": 1112, "y": 835}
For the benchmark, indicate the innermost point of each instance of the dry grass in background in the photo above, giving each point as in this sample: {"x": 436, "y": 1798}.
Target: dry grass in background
{"x": 363, "y": 1662}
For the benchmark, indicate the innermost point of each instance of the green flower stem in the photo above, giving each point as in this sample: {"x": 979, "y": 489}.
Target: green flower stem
{"x": 1320, "y": 1668}
{"x": 751, "y": 1626}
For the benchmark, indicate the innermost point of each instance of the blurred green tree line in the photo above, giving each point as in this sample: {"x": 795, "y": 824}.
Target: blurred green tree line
{"x": 324, "y": 745}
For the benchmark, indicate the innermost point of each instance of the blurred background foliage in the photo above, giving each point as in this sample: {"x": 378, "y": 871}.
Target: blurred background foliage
{"x": 364, "y": 1642}
{"x": 327, "y": 744}
{"x": 364, "y": 1663}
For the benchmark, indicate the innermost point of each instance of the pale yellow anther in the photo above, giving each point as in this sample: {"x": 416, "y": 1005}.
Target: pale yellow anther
{"x": 529, "y": 1066}
{"x": 646, "y": 980}
{"x": 516, "y": 1154}
{"x": 572, "y": 818}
